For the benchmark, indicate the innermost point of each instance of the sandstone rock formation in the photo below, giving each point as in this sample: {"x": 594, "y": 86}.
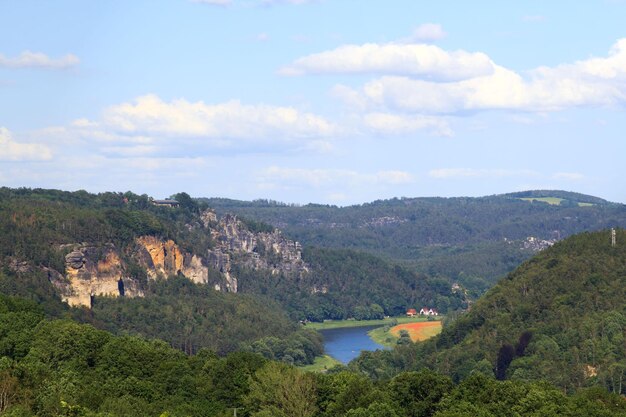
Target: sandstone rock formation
{"x": 100, "y": 270}
{"x": 94, "y": 271}
{"x": 271, "y": 251}
{"x": 160, "y": 258}
{"x": 164, "y": 258}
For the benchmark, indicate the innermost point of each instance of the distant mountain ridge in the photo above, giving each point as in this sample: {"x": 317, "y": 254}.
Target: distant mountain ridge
{"x": 462, "y": 238}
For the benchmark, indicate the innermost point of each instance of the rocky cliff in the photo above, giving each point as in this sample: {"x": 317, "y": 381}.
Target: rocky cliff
{"x": 269, "y": 251}
{"x": 101, "y": 271}
{"x": 164, "y": 258}
{"x": 93, "y": 271}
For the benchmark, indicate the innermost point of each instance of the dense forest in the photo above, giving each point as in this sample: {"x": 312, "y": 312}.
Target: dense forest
{"x": 559, "y": 317}
{"x": 38, "y": 225}
{"x": 349, "y": 284}
{"x": 35, "y": 223}
{"x": 460, "y": 238}
{"x": 61, "y": 368}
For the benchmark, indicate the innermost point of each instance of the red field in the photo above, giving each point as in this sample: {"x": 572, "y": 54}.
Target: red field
{"x": 418, "y": 331}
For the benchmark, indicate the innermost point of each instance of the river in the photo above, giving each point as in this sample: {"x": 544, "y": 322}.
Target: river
{"x": 345, "y": 343}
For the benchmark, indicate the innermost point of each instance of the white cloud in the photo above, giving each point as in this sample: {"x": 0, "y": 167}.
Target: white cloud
{"x": 150, "y": 126}
{"x": 223, "y": 122}
{"x": 427, "y": 32}
{"x": 414, "y": 60}
{"x": 130, "y": 151}
{"x": 592, "y": 82}
{"x": 28, "y": 59}
{"x": 456, "y": 173}
{"x": 290, "y": 177}
{"x": 568, "y": 176}
{"x": 395, "y": 124}
{"x": 11, "y": 150}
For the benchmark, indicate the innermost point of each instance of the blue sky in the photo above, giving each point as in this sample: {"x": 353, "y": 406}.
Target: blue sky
{"x": 327, "y": 101}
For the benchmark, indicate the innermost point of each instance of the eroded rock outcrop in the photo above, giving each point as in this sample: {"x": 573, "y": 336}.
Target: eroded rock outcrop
{"x": 160, "y": 258}
{"x": 164, "y": 258}
{"x": 270, "y": 251}
{"x": 93, "y": 271}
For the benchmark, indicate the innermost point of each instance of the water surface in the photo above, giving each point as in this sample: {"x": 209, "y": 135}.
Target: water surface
{"x": 345, "y": 344}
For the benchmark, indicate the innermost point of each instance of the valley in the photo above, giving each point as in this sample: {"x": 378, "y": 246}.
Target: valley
{"x": 231, "y": 300}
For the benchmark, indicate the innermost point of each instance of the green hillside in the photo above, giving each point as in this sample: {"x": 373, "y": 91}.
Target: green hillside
{"x": 461, "y": 238}
{"x": 34, "y": 225}
{"x": 560, "y": 316}
{"x": 38, "y": 228}
{"x": 52, "y": 368}
{"x": 351, "y": 284}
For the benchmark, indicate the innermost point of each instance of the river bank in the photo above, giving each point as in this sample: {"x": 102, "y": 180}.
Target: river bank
{"x": 336, "y": 324}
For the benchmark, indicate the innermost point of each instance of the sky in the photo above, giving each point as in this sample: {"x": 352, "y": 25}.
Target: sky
{"x": 326, "y": 101}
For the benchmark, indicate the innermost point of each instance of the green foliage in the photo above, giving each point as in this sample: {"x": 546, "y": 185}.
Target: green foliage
{"x": 458, "y": 238}
{"x": 256, "y": 226}
{"x": 76, "y": 370}
{"x": 191, "y": 316}
{"x": 299, "y": 348}
{"x": 350, "y": 285}
{"x": 559, "y": 317}
{"x": 280, "y": 390}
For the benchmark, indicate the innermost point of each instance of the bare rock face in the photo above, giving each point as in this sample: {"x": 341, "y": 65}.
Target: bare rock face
{"x": 93, "y": 271}
{"x": 219, "y": 259}
{"x": 100, "y": 271}
{"x": 194, "y": 269}
{"x": 164, "y": 258}
{"x": 161, "y": 258}
{"x": 208, "y": 218}
{"x": 270, "y": 251}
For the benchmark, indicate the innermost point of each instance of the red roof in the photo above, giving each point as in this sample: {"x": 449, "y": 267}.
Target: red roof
{"x": 411, "y": 310}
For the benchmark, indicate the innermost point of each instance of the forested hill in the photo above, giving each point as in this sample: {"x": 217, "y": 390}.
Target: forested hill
{"x": 127, "y": 258}
{"x": 462, "y": 238}
{"x": 560, "y": 316}
{"x": 44, "y": 233}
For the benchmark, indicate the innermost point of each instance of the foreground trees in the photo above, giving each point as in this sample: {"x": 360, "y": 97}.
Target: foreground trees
{"x": 67, "y": 369}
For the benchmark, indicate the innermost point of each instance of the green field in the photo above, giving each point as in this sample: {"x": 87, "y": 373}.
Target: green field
{"x": 555, "y": 201}
{"x": 321, "y": 364}
{"x": 336, "y": 324}
{"x": 382, "y": 336}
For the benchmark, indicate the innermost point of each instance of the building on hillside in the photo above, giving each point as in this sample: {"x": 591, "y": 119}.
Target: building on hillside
{"x": 411, "y": 312}
{"x": 165, "y": 203}
{"x": 425, "y": 311}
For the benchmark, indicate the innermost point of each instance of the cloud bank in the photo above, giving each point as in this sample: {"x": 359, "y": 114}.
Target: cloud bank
{"x": 588, "y": 83}
{"x": 411, "y": 60}
{"x": 11, "y": 150}
{"x": 28, "y": 59}
{"x": 230, "y": 120}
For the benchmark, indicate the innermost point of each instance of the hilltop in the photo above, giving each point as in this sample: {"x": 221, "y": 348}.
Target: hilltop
{"x": 474, "y": 241}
